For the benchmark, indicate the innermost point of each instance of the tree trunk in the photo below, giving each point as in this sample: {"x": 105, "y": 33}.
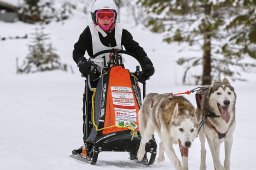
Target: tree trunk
{"x": 206, "y": 77}
{"x": 118, "y": 4}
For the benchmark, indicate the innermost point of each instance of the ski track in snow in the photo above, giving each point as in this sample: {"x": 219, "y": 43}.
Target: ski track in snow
{"x": 41, "y": 115}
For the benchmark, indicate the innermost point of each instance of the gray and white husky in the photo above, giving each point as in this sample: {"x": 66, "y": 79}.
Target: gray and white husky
{"x": 174, "y": 119}
{"x": 217, "y": 109}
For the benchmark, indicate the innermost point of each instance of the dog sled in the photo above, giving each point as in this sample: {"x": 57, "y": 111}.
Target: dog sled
{"x": 111, "y": 114}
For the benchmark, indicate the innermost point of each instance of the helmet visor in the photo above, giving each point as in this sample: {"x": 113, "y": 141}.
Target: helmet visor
{"x": 105, "y": 14}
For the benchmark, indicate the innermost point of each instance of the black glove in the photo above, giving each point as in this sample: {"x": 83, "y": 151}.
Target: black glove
{"x": 147, "y": 71}
{"x": 84, "y": 67}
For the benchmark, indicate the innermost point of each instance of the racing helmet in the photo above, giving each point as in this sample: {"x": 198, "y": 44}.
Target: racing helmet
{"x": 104, "y": 8}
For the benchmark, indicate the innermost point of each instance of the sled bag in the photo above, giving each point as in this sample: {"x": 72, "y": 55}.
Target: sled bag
{"x": 120, "y": 101}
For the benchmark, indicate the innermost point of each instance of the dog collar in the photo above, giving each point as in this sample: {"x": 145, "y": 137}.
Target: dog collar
{"x": 211, "y": 114}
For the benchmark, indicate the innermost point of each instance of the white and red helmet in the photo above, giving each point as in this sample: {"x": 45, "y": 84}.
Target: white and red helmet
{"x": 104, "y": 9}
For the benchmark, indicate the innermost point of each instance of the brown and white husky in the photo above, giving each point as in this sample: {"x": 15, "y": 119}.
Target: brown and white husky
{"x": 174, "y": 119}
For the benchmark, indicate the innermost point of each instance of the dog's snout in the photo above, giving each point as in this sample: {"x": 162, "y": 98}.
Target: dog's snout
{"x": 187, "y": 144}
{"x": 226, "y": 102}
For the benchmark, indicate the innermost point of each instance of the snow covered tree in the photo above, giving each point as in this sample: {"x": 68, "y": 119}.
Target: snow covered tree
{"x": 31, "y": 11}
{"x": 224, "y": 30}
{"x": 133, "y": 12}
{"x": 42, "y": 56}
{"x": 44, "y": 11}
{"x": 64, "y": 11}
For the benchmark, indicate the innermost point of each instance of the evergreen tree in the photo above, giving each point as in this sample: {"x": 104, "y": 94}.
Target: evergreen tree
{"x": 34, "y": 11}
{"x": 42, "y": 56}
{"x": 225, "y": 30}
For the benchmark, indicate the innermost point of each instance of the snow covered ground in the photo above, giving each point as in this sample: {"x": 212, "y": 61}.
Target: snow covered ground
{"x": 41, "y": 117}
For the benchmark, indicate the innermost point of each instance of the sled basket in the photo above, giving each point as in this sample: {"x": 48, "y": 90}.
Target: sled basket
{"x": 116, "y": 102}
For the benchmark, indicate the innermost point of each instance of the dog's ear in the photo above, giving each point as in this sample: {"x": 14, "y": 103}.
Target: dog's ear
{"x": 176, "y": 110}
{"x": 225, "y": 81}
{"x": 213, "y": 82}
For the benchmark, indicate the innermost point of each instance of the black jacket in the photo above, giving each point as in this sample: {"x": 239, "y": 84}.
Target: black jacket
{"x": 85, "y": 44}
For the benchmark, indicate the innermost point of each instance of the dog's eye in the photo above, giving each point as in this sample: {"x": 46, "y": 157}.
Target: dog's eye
{"x": 219, "y": 93}
{"x": 181, "y": 129}
{"x": 229, "y": 93}
{"x": 192, "y": 130}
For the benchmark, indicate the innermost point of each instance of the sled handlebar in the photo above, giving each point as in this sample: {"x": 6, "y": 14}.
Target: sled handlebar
{"x": 137, "y": 73}
{"x": 115, "y": 51}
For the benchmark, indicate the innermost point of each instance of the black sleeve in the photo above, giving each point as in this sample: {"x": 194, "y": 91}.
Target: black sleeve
{"x": 83, "y": 44}
{"x": 133, "y": 47}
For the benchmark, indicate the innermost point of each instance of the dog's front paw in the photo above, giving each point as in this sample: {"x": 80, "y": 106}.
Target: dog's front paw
{"x": 141, "y": 153}
{"x": 227, "y": 165}
{"x": 178, "y": 166}
{"x": 220, "y": 168}
{"x": 202, "y": 167}
{"x": 160, "y": 159}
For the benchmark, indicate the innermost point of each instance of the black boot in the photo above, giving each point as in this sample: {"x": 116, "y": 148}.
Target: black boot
{"x": 84, "y": 152}
{"x": 77, "y": 151}
{"x": 133, "y": 155}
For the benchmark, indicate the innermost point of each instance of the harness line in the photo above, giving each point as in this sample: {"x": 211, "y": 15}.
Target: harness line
{"x": 188, "y": 92}
{"x": 208, "y": 114}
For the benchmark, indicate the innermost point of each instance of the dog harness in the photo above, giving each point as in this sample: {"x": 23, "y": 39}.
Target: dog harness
{"x": 220, "y": 135}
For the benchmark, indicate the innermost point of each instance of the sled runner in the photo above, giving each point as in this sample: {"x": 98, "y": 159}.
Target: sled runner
{"x": 111, "y": 114}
